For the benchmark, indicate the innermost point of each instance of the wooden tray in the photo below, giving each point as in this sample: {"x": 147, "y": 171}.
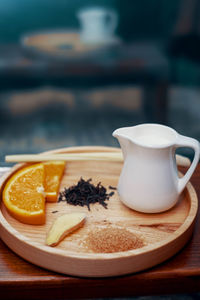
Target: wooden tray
{"x": 64, "y": 45}
{"x": 164, "y": 234}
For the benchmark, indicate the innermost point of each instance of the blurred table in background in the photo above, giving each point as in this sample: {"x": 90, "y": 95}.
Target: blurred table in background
{"x": 142, "y": 64}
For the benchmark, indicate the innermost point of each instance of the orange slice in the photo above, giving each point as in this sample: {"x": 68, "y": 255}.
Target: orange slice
{"x": 24, "y": 197}
{"x": 53, "y": 173}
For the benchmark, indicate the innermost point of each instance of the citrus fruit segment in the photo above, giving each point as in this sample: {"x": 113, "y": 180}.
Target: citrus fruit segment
{"x": 24, "y": 197}
{"x": 53, "y": 173}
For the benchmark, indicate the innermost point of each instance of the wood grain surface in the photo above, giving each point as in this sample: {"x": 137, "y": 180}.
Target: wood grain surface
{"x": 162, "y": 234}
{"x": 179, "y": 274}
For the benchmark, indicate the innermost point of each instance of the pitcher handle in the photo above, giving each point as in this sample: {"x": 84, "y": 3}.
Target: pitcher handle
{"x": 113, "y": 20}
{"x": 184, "y": 141}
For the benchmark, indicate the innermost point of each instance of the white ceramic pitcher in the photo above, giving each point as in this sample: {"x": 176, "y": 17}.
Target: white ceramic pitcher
{"x": 97, "y": 25}
{"x": 149, "y": 180}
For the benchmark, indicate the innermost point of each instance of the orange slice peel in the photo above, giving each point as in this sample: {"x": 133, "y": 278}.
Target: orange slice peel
{"x": 27, "y": 190}
{"x": 53, "y": 173}
{"x": 23, "y": 195}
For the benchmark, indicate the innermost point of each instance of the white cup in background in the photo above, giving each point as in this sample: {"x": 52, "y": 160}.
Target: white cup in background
{"x": 97, "y": 25}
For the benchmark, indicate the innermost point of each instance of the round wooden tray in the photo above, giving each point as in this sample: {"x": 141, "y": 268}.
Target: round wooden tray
{"x": 164, "y": 234}
{"x": 64, "y": 45}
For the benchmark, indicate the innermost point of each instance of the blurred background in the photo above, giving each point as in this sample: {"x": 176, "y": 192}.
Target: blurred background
{"x": 72, "y": 71}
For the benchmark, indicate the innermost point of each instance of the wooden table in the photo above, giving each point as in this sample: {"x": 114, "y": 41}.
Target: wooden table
{"x": 140, "y": 63}
{"x": 180, "y": 274}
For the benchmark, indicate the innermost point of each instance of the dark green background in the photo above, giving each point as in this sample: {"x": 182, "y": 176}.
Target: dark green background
{"x": 138, "y": 19}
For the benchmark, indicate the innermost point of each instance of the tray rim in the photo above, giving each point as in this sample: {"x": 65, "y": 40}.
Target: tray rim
{"x": 93, "y": 256}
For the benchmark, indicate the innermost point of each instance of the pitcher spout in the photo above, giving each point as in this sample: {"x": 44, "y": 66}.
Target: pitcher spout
{"x": 124, "y": 134}
{"x": 124, "y": 139}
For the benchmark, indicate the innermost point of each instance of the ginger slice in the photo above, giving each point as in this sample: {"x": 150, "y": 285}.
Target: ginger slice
{"x": 64, "y": 225}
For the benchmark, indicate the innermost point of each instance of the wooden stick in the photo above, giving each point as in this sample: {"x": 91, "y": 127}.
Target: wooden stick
{"x": 105, "y": 156}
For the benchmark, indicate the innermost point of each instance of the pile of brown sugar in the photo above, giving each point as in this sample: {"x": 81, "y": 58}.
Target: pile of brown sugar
{"x": 112, "y": 239}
